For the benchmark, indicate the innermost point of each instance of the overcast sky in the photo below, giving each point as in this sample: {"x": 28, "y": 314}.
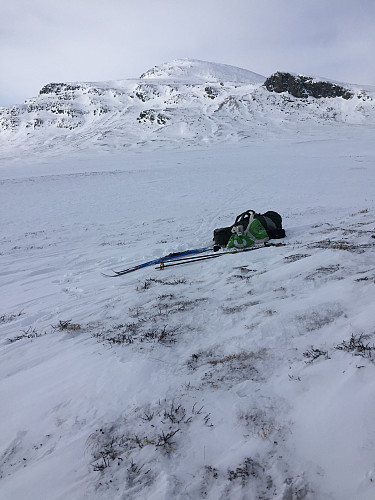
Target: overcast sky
{"x": 44, "y": 41}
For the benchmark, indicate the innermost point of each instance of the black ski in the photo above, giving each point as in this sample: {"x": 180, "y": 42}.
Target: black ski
{"x": 189, "y": 256}
{"x": 188, "y": 260}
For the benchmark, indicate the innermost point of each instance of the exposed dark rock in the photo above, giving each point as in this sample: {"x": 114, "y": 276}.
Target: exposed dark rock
{"x": 304, "y": 86}
{"x": 211, "y": 92}
{"x": 57, "y": 88}
{"x": 146, "y": 92}
{"x": 152, "y": 116}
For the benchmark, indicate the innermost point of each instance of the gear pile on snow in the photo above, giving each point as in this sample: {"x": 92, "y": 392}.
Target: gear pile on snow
{"x": 250, "y": 228}
{"x": 249, "y": 232}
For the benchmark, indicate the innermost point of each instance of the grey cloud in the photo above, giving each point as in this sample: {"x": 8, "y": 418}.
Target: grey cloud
{"x": 43, "y": 41}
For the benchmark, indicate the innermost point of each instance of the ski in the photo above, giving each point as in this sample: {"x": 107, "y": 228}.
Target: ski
{"x": 188, "y": 260}
{"x": 188, "y": 256}
{"x": 166, "y": 258}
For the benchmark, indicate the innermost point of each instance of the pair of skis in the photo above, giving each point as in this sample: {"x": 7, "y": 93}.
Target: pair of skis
{"x": 159, "y": 260}
{"x": 186, "y": 257}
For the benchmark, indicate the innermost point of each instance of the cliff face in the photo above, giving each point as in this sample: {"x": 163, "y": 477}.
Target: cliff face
{"x": 304, "y": 86}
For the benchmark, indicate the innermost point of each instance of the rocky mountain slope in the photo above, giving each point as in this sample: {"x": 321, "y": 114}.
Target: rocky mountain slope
{"x": 183, "y": 102}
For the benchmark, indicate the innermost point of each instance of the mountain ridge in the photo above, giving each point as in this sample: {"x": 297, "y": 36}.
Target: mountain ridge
{"x": 185, "y": 102}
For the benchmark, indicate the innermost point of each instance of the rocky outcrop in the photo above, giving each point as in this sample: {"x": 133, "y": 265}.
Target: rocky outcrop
{"x": 150, "y": 115}
{"x": 58, "y": 88}
{"x": 304, "y": 86}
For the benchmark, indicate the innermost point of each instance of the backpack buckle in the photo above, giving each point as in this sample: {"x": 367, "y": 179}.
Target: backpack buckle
{"x": 238, "y": 230}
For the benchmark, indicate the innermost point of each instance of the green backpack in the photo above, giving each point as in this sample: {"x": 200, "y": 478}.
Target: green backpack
{"x": 247, "y": 231}
{"x": 250, "y": 228}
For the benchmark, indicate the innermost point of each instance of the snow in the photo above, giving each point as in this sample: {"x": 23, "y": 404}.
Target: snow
{"x": 239, "y": 377}
{"x": 192, "y": 70}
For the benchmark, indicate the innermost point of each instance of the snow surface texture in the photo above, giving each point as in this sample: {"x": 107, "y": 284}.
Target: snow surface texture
{"x": 250, "y": 376}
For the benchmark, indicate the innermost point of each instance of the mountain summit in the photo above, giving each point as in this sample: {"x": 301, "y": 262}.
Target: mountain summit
{"x": 192, "y": 70}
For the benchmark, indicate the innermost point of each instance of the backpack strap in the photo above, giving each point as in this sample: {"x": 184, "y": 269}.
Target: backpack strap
{"x": 242, "y": 221}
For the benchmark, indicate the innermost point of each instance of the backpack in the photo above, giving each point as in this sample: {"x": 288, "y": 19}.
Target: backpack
{"x": 250, "y": 228}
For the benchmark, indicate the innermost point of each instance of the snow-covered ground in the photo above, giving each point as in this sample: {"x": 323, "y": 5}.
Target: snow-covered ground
{"x": 250, "y": 376}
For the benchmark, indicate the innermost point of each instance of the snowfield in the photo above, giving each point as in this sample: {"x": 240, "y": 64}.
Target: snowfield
{"x": 250, "y": 376}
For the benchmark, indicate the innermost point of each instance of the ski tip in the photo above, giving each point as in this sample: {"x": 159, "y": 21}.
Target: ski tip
{"x": 113, "y": 275}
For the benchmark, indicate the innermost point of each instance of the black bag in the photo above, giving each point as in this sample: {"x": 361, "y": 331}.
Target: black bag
{"x": 271, "y": 221}
{"x": 222, "y": 235}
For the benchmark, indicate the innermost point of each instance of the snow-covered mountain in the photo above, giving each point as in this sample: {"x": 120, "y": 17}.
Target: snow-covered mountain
{"x": 178, "y": 103}
{"x": 193, "y": 71}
